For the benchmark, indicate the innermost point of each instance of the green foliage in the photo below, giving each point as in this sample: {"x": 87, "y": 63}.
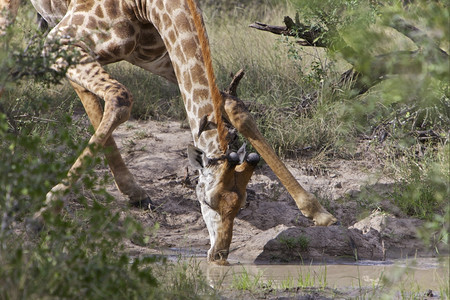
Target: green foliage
{"x": 75, "y": 255}
{"x": 363, "y": 33}
{"x": 437, "y": 229}
{"x": 395, "y": 49}
{"x": 37, "y": 60}
{"x": 29, "y": 163}
{"x": 421, "y": 195}
{"x": 330, "y": 17}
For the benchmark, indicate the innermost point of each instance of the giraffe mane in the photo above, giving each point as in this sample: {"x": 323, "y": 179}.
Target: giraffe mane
{"x": 215, "y": 93}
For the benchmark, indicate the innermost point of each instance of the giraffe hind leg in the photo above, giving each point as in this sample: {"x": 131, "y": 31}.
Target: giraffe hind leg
{"x": 90, "y": 76}
{"x": 124, "y": 179}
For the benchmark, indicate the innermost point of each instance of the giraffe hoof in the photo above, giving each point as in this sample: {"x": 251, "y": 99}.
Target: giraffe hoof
{"x": 145, "y": 204}
{"x": 324, "y": 218}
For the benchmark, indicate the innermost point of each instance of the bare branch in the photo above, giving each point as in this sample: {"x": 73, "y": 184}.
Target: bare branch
{"x": 308, "y": 36}
{"x": 280, "y": 30}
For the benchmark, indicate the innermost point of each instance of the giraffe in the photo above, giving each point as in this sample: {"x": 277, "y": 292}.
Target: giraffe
{"x": 167, "y": 38}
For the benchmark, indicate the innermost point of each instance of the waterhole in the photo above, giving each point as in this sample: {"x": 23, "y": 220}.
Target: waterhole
{"x": 413, "y": 275}
{"x": 417, "y": 274}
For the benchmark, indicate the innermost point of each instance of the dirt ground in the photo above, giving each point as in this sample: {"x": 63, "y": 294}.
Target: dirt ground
{"x": 269, "y": 228}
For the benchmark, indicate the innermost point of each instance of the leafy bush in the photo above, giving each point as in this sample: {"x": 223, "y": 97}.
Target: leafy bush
{"x": 398, "y": 93}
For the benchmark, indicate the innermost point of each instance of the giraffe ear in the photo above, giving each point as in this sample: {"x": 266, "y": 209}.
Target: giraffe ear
{"x": 197, "y": 158}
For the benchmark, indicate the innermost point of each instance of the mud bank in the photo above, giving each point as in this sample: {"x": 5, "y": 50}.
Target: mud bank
{"x": 269, "y": 228}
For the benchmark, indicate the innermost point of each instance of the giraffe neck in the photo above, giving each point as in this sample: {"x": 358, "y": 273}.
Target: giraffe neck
{"x": 181, "y": 28}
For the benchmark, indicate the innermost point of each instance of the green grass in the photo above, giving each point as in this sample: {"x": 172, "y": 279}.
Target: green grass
{"x": 299, "y": 243}
{"x": 154, "y": 97}
{"x": 246, "y": 281}
{"x": 290, "y": 111}
{"x": 184, "y": 279}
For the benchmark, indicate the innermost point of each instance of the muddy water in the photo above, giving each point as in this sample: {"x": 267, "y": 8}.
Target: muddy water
{"x": 419, "y": 274}
{"x": 413, "y": 274}
{"x": 422, "y": 274}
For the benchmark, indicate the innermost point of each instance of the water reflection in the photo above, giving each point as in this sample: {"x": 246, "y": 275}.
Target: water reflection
{"x": 419, "y": 273}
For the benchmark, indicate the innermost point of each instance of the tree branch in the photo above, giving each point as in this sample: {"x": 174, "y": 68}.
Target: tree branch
{"x": 280, "y": 30}
{"x": 308, "y": 36}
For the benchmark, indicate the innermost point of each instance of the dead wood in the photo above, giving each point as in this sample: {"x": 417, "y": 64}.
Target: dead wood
{"x": 280, "y": 30}
{"x": 307, "y": 36}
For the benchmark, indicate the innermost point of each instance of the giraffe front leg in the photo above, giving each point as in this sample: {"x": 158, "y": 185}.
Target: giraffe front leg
{"x": 125, "y": 181}
{"x": 241, "y": 119}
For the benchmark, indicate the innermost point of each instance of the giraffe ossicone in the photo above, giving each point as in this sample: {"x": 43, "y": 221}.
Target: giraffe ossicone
{"x": 167, "y": 38}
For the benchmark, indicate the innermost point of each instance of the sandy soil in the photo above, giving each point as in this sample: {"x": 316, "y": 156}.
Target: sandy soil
{"x": 268, "y": 228}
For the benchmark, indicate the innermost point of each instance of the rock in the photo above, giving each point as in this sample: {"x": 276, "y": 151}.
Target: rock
{"x": 317, "y": 244}
{"x": 398, "y": 235}
{"x": 380, "y": 236}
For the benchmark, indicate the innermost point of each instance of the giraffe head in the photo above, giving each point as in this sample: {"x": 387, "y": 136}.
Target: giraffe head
{"x": 221, "y": 190}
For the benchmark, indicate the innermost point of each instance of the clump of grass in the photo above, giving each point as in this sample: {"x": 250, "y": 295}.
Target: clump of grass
{"x": 423, "y": 187}
{"x": 184, "y": 279}
{"x": 299, "y": 243}
{"x": 245, "y": 281}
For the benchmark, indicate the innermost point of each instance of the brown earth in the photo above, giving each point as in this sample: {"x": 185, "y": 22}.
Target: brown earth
{"x": 269, "y": 228}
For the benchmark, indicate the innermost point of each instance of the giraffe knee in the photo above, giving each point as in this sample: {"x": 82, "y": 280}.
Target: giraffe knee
{"x": 239, "y": 116}
{"x": 120, "y": 101}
